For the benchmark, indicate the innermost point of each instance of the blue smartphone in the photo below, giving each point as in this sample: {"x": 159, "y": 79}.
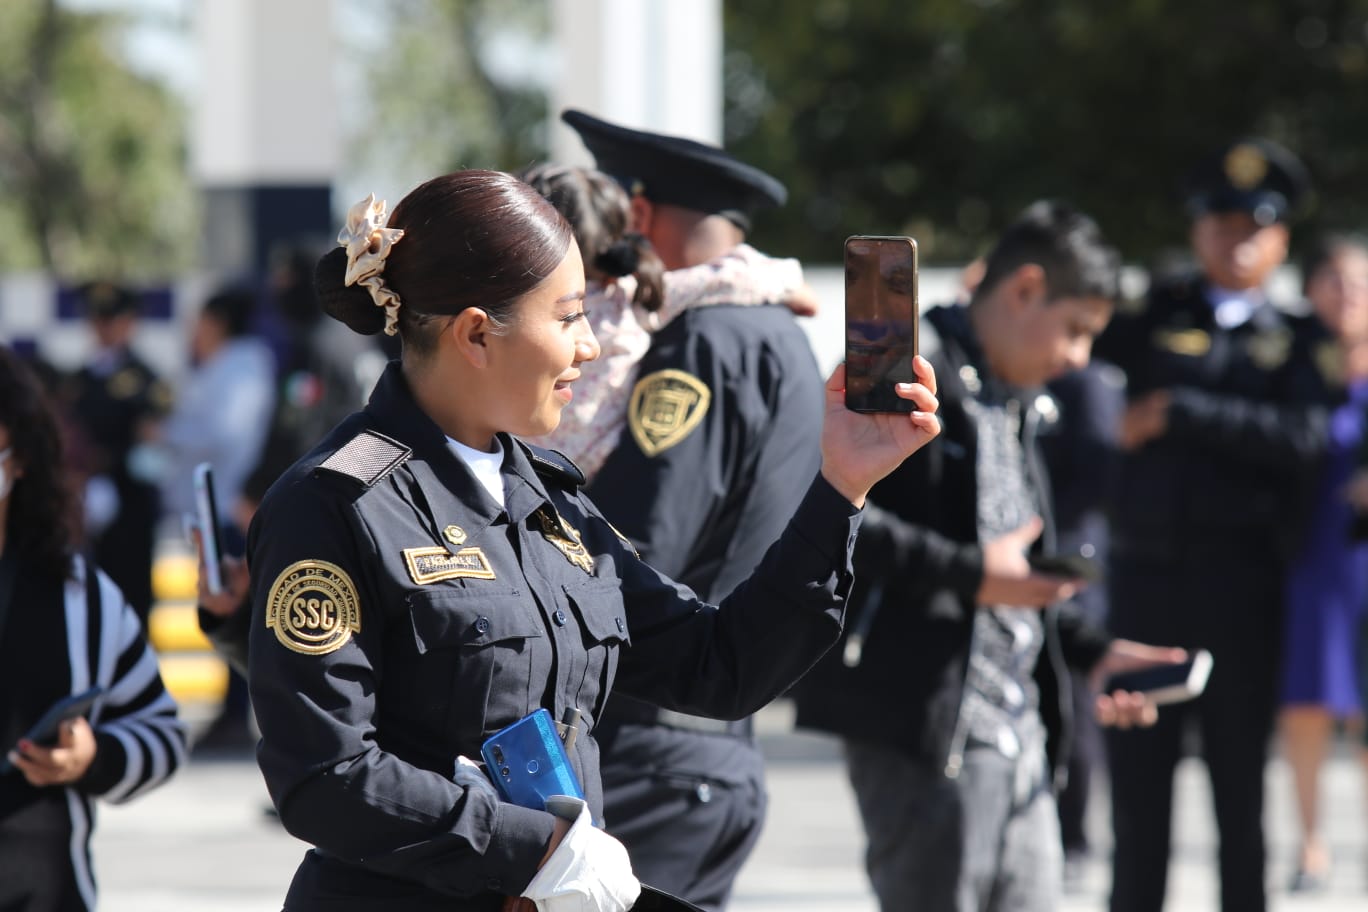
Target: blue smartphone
{"x": 44, "y": 731}
{"x": 528, "y": 763}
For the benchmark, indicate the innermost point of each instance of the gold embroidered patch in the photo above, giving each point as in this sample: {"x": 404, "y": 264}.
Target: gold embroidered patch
{"x": 428, "y": 565}
{"x": 665, "y": 407}
{"x": 1191, "y": 342}
{"x": 1270, "y": 349}
{"x": 566, "y": 538}
{"x": 1330, "y": 363}
{"x": 313, "y": 607}
{"x": 455, "y": 534}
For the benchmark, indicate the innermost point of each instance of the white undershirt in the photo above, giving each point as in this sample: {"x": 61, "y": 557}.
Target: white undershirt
{"x": 1233, "y": 308}
{"x": 485, "y": 467}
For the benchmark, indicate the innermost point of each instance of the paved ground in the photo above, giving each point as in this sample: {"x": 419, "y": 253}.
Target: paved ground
{"x": 204, "y": 843}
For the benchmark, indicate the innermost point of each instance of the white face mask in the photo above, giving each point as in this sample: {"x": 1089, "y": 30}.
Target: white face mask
{"x": 6, "y": 482}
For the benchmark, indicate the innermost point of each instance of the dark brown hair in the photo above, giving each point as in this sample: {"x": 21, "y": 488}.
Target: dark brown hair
{"x": 41, "y": 526}
{"x": 471, "y": 239}
{"x": 598, "y": 209}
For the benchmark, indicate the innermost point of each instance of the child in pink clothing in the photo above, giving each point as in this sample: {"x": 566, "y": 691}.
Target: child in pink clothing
{"x": 630, "y": 296}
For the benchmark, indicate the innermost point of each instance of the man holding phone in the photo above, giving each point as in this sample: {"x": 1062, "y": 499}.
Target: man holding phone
{"x": 951, "y": 689}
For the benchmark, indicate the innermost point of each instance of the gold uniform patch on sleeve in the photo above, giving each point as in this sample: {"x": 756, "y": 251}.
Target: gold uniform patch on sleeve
{"x": 665, "y": 407}
{"x": 313, "y": 608}
{"x": 429, "y": 565}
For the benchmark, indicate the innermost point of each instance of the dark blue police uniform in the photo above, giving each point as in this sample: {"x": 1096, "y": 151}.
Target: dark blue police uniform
{"x": 401, "y": 616}
{"x": 1205, "y": 519}
{"x": 687, "y": 795}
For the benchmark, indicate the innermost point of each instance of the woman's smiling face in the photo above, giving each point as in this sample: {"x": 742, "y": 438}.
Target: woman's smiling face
{"x": 534, "y": 362}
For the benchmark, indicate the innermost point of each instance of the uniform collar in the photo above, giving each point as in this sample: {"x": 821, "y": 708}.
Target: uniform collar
{"x": 447, "y": 483}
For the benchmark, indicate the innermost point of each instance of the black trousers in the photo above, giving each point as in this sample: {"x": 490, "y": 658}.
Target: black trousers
{"x": 689, "y": 807}
{"x": 1229, "y": 601}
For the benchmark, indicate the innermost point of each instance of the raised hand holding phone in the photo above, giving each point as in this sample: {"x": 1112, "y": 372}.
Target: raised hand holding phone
{"x": 880, "y": 322}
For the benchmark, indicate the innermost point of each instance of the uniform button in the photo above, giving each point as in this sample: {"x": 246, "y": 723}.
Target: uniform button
{"x": 704, "y": 792}
{"x": 482, "y": 625}
{"x": 559, "y": 618}
{"x": 621, "y": 625}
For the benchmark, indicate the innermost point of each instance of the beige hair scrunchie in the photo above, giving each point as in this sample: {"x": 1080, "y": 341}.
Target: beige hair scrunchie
{"x": 368, "y": 243}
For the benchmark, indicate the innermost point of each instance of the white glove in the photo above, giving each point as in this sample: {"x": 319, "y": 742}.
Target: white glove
{"x": 468, "y": 775}
{"x": 588, "y": 872}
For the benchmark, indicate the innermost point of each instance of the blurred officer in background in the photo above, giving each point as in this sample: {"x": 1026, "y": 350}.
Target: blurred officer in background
{"x": 951, "y": 689}
{"x": 117, "y": 402}
{"x": 1220, "y": 444}
{"x": 724, "y": 421}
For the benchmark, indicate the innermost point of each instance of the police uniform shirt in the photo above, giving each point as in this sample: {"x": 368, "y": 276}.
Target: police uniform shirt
{"x": 400, "y": 617}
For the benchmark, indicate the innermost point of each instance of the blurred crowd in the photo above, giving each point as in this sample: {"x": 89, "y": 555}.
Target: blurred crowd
{"x": 1209, "y": 458}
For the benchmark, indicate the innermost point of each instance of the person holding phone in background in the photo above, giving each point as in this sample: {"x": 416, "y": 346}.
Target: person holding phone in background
{"x": 1223, "y": 435}
{"x": 64, "y": 628}
{"x": 955, "y": 708}
{"x": 423, "y": 578}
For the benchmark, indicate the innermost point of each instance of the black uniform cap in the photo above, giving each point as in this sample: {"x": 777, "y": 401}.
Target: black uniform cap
{"x": 105, "y": 299}
{"x": 1252, "y": 175}
{"x": 677, "y": 171}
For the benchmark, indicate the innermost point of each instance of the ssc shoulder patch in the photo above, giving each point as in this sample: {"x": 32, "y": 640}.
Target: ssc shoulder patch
{"x": 313, "y": 608}
{"x": 665, "y": 407}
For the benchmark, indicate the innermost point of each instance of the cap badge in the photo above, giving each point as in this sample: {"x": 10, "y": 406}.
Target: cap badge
{"x": 665, "y": 407}
{"x": 1245, "y": 166}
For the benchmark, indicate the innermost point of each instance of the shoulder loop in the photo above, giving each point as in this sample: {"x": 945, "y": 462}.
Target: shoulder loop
{"x": 554, "y": 465}
{"x": 367, "y": 458}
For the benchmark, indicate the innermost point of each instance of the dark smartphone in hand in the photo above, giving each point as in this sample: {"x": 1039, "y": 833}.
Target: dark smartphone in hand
{"x": 1074, "y": 566}
{"x": 44, "y": 732}
{"x": 206, "y": 517}
{"x": 880, "y": 321}
{"x": 528, "y": 763}
{"x": 1166, "y": 684}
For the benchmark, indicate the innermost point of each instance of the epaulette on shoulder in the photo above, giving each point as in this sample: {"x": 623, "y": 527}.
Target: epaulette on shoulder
{"x": 367, "y": 458}
{"x": 554, "y": 465}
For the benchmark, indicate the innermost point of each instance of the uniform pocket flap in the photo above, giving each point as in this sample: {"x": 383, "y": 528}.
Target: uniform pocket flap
{"x": 459, "y": 618}
{"x": 601, "y": 608}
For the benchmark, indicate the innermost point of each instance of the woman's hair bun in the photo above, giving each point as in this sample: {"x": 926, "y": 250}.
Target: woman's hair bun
{"x": 350, "y": 305}
{"x": 621, "y": 258}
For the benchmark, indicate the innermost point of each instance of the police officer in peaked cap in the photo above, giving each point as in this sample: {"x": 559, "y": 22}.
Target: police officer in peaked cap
{"x": 1221, "y": 435}
{"x": 724, "y": 420}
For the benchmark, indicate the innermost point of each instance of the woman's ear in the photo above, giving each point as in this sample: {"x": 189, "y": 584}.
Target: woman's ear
{"x": 469, "y": 335}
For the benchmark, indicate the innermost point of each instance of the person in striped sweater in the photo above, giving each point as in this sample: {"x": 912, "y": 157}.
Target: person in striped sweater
{"x": 64, "y": 627}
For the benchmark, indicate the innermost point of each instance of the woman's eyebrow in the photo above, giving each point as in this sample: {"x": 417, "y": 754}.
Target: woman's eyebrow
{"x": 572, "y": 296}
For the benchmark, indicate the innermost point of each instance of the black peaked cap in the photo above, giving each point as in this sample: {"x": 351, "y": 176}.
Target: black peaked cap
{"x": 676, "y": 171}
{"x": 1251, "y": 174}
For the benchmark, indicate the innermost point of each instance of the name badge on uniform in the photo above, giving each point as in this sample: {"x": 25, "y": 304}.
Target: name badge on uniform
{"x": 1330, "y": 362}
{"x": 566, "y": 538}
{"x": 1194, "y": 343}
{"x": 665, "y": 407}
{"x": 313, "y": 608}
{"x": 435, "y": 563}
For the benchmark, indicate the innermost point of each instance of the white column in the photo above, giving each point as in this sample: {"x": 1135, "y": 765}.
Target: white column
{"x": 648, "y": 64}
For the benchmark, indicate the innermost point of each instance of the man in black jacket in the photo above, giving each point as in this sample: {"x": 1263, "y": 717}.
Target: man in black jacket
{"x": 951, "y": 687}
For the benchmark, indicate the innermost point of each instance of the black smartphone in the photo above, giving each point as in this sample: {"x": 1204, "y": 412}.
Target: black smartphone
{"x": 880, "y": 321}
{"x": 44, "y": 732}
{"x": 1074, "y": 566}
{"x": 206, "y": 517}
{"x": 1165, "y": 684}
{"x": 528, "y": 763}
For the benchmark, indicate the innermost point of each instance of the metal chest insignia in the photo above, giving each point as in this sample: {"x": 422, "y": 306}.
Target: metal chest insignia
{"x": 566, "y": 538}
{"x": 454, "y": 534}
{"x": 665, "y": 407}
{"x": 1330, "y": 363}
{"x": 313, "y": 608}
{"x": 435, "y": 563}
{"x": 1269, "y": 349}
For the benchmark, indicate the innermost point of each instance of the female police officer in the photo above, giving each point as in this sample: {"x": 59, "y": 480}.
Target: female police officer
{"x": 423, "y": 578}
